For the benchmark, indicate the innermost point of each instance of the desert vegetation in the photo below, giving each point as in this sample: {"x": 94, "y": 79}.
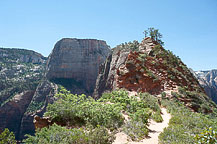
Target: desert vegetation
{"x": 185, "y": 126}
{"x": 86, "y": 116}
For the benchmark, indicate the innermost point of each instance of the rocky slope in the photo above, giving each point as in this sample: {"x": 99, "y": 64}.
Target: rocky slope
{"x": 208, "y": 80}
{"x": 74, "y": 63}
{"x": 148, "y": 67}
{"x": 20, "y": 73}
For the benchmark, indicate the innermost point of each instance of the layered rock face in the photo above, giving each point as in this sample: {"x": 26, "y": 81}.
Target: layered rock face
{"x": 74, "y": 63}
{"x": 144, "y": 67}
{"x": 208, "y": 80}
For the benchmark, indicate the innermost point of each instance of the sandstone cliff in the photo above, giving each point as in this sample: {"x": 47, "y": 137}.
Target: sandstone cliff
{"x": 208, "y": 80}
{"x": 74, "y": 63}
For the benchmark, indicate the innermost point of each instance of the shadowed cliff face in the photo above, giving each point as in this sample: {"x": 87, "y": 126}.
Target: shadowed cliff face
{"x": 208, "y": 80}
{"x": 74, "y": 63}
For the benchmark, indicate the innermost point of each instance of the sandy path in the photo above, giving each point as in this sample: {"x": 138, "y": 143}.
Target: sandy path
{"x": 154, "y": 127}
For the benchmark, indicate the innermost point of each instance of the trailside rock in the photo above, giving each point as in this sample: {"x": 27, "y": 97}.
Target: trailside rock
{"x": 74, "y": 63}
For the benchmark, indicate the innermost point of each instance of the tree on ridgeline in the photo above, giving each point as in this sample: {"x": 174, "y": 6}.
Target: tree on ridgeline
{"x": 154, "y": 34}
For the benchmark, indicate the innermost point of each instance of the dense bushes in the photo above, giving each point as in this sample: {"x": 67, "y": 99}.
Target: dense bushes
{"x": 56, "y": 134}
{"x": 78, "y": 110}
{"x": 99, "y": 116}
{"x": 139, "y": 109}
{"x": 7, "y": 137}
{"x": 133, "y": 46}
{"x": 208, "y": 136}
{"x": 184, "y": 124}
{"x": 137, "y": 130}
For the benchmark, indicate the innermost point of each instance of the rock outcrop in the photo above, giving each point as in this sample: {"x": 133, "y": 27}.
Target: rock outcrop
{"x": 74, "y": 63}
{"x": 147, "y": 68}
{"x": 208, "y": 80}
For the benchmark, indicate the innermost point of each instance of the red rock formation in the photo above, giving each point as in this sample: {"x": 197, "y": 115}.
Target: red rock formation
{"x": 41, "y": 122}
{"x": 152, "y": 69}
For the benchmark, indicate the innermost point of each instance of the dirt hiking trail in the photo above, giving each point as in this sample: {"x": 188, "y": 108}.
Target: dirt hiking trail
{"x": 154, "y": 130}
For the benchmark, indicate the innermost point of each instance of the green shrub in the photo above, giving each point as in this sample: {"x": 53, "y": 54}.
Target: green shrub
{"x": 184, "y": 124}
{"x": 7, "y": 137}
{"x": 79, "y": 110}
{"x": 137, "y": 130}
{"x": 34, "y": 106}
{"x": 133, "y": 46}
{"x": 100, "y": 135}
{"x": 163, "y": 95}
{"x": 156, "y": 116}
{"x": 150, "y": 101}
{"x": 56, "y": 134}
{"x": 208, "y": 136}
{"x": 141, "y": 115}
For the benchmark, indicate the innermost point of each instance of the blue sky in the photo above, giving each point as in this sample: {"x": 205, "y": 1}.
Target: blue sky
{"x": 189, "y": 27}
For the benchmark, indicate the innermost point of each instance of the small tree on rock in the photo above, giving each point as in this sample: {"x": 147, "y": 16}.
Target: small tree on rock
{"x": 154, "y": 34}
